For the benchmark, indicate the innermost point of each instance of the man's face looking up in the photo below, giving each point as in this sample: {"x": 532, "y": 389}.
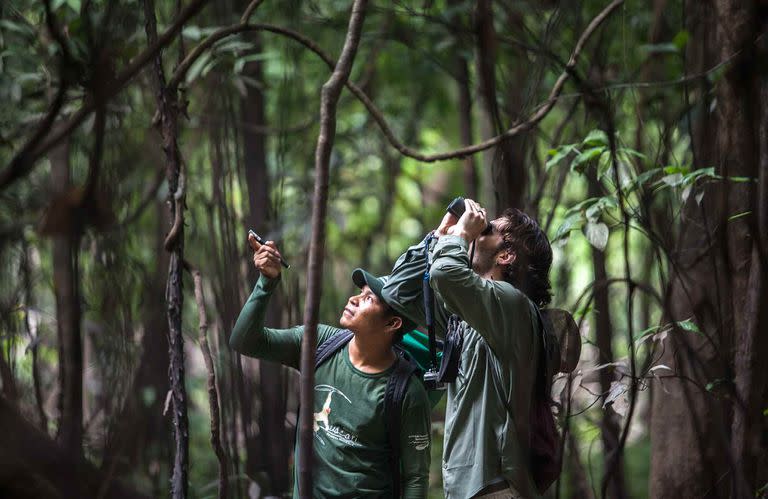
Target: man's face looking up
{"x": 366, "y": 313}
{"x": 487, "y": 246}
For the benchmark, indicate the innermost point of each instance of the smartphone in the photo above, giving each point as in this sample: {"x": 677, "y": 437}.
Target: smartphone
{"x": 261, "y": 240}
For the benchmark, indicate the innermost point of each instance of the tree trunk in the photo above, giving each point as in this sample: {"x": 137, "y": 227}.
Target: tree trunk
{"x": 329, "y": 99}
{"x": 604, "y": 338}
{"x": 33, "y": 466}
{"x": 274, "y": 449}
{"x": 714, "y": 434}
{"x": 506, "y": 174}
{"x": 168, "y": 107}
{"x": 464, "y": 110}
{"x": 67, "y": 290}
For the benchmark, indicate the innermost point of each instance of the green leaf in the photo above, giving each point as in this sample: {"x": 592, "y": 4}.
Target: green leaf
{"x": 74, "y": 5}
{"x": 688, "y": 325}
{"x": 742, "y": 179}
{"x": 198, "y": 67}
{"x": 632, "y": 152}
{"x": 681, "y": 39}
{"x": 672, "y": 180}
{"x": 595, "y": 138}
{"x": 564, "y": 231}
{"x": 604, "y": 164}
{"x": 682, "y": 169}
{"x": 597, "y": 234}
{"x": 192, "y": 32}
{"x": 739, "y": 215}
{"x": 594, "y": 211}
{"x": 642, "y": 179}
{"x": 557, "y": 155}
{"x": 17, "y": 27}
{"x": 585, "y": 157}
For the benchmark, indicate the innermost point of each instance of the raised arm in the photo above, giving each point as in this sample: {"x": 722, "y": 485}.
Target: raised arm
{"x": 489, "y": 304}
{"x": 404, "y": 287}
{"x": 249, "y": 336}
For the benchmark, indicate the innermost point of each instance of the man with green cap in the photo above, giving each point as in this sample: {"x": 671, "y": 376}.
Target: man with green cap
{"x": 353, "y": 456}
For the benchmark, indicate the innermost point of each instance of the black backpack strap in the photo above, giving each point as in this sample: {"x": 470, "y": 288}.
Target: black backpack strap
{"x": 331, "y": 346}
{"x": 397, "y": 386}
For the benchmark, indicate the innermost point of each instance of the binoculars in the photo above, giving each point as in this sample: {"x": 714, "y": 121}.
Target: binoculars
{"x": 457, "y": 209}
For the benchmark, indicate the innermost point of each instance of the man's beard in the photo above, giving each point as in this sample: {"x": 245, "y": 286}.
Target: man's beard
{"x": 482, "y": 263}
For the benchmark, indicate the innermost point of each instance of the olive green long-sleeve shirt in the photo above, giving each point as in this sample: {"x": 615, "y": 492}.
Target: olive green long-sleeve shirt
{"x": 351, "y": 448}
{"x": 483, "y": 442}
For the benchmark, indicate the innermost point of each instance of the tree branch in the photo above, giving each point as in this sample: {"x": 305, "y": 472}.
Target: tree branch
{"x": 213, "y": 394}
{"x": 23, "y": 162}
{"x": 377, "y": 115}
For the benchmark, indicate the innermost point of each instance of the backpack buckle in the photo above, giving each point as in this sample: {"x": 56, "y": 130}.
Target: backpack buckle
{"x": 432, "y": 380}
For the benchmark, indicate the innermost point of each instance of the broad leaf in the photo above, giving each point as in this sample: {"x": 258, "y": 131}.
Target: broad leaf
{"x": 597, "y": 234}
{"x": 595, "y": 138}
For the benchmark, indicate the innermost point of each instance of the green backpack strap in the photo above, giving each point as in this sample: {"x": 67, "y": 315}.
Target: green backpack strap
{"x": 415, "y": 344}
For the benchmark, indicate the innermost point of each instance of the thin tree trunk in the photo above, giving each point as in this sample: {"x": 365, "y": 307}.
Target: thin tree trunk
{"x": 464, "y": 109}
{"x": 34, "y": 339}
{"x": 213, "y": 394}
{"x": 604, "y": 339}
{"x": 274, "y": 450}
{"x": 579, "y": 485}
{"x": 67, "y": 291}
{"x": 167, "y": 103}
{"x": 505, "y": 172}
{"x": 329, "y": 99}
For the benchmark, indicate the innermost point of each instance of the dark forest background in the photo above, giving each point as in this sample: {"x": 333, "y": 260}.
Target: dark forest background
{"x": 139, "y": 141}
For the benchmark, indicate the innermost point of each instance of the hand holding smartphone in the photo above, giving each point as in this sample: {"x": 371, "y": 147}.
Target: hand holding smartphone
{"x": 252, "y": 236}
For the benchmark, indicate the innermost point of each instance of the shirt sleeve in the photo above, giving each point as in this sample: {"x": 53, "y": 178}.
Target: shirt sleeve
{"x": 490, "y": 307}
{"x": 404, "y": 289}
{"x": 415, "y": 442}
{"x": 250, "y": 337}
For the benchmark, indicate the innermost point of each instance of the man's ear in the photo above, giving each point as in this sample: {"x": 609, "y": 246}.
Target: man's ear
{"x": 506, "y": 257}
{"x": 395, "y": 323}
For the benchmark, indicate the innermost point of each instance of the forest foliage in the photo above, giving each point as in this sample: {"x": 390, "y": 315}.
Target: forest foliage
{"x": 134, "y": 158}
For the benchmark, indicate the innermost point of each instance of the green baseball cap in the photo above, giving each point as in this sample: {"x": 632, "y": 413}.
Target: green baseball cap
{"x": 361, "y": 278}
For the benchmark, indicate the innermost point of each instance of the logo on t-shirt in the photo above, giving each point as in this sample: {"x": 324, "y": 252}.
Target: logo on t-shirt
{"x": 323, "y": 419}
{"x": 419, "y": 442}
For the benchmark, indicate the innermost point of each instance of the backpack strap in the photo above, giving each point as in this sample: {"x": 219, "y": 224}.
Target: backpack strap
{"x": 331, "y": 346}
{"x": 397, "y": 386}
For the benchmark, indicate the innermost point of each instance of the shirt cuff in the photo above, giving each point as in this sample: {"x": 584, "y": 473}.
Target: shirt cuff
{"x": 267, "y": 284}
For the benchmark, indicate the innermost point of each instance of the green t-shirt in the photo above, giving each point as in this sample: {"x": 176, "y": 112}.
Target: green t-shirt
{"x": 351, "y": 450}
{"x": 483, "y": 442}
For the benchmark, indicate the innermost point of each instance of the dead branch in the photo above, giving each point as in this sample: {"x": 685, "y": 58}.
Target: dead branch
{"x": 168, "y": 107}
{"x": 213, "y": 393}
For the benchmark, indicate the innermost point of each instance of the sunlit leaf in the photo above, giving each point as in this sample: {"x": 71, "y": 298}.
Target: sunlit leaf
{"x": 688, "y": 325}
{"x": 595, "y": 138}
{"x": 597, "y": 234}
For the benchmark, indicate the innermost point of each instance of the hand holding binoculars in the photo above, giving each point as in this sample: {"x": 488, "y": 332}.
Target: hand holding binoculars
{"x": 457, "y": 208}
